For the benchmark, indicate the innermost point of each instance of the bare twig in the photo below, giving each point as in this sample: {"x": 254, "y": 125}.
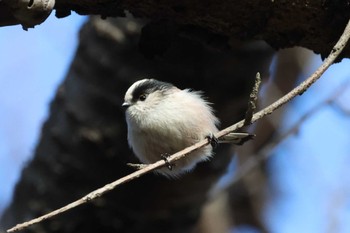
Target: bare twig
{"x": 265, "y": 152}
{"x": 268, "y": 110}
{"x": 253, "y": 98}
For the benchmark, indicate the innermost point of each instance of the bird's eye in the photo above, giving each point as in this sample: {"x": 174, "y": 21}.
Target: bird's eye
{"x": 143, "y": 97}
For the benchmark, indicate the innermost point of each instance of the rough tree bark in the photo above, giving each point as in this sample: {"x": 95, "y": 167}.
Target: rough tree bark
{"x": 83, "y": 143}
{"x": 312, "y": 24}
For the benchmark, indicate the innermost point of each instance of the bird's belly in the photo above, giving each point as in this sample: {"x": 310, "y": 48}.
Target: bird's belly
{"x": 150, "y": 145}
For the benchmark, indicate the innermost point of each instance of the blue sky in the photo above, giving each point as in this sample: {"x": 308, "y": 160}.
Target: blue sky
{"x": 32, "y": 65}
{"x": 310, "y": 169}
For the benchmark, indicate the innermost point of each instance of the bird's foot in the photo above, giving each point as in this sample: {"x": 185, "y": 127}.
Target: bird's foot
{"x": 212, "y": 140}
{"x": 165, "y": 157}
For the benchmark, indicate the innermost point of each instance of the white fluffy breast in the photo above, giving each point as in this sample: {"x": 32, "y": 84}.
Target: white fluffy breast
{"x": 171, "y": 123}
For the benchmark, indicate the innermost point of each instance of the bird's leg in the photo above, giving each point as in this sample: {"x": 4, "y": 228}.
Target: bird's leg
{"x": 214, "y": 141}
{"x": 165, "y": 157}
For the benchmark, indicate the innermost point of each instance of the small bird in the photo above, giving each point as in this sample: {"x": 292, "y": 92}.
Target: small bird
{"x": 163, "y": 119}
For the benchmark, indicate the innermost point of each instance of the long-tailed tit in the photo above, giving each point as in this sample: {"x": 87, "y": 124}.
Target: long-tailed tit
{"x": 163, "y": 119}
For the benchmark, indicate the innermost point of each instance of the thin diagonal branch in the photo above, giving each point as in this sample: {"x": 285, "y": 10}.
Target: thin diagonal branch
{"x": 252, "y": 103}
{"x": 266, "y": 111}
{"x": 265, "y": 152}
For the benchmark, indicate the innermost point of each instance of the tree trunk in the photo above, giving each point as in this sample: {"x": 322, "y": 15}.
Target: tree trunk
{"x": 83, "y": 143}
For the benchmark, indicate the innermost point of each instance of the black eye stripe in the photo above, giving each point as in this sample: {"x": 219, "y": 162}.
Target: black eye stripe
{"x": 148, "y": 87}
{"x": 143, "y": 97}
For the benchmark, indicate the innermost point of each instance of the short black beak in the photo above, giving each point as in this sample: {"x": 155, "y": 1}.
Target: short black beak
{"x": 125, "y": 105}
